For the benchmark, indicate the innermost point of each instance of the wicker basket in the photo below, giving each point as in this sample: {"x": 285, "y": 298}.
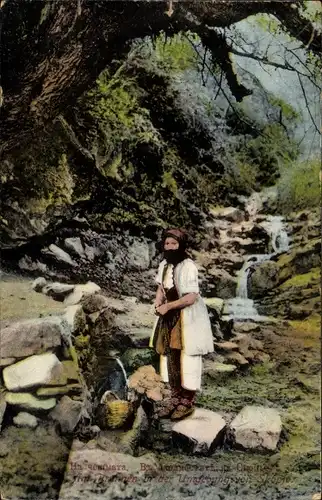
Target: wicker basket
{"x": 116, "y": 412}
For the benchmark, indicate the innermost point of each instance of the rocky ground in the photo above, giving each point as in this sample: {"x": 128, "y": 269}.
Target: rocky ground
{"x": 288, "y": 381}
{"x": 271, "y": 366}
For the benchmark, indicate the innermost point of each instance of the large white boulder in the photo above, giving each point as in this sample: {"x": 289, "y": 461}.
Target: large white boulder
{"x": 200, "y": 432}
{"x": 139, "y": 254}
{"x": 215, "y": 303}
{"x": 67, "y": 413}
{"x": 81, "y": 291}
{"x": 58, "y": 291}
{"x": 59, "y": 254}
{"x": 38, "y": 284}
{"x": 24, "y": 419}
{"x": 33, "y": 336}
{"x": 33, "y": 371}
{"x": 75, "y": 317}
{"x": 89, "y": 464}
{"x": 27, "y": 401}
{"x": 75, "y": 245}
{"x": 256, "y": 428}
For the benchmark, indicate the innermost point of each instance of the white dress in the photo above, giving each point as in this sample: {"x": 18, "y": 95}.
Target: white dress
{"x": 196, "y": 330}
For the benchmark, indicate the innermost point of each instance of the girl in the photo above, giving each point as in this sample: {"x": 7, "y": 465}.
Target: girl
{"x": 182, "y": 331}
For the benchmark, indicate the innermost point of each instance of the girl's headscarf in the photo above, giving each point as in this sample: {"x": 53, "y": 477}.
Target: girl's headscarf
{"x": 178, "y": 255}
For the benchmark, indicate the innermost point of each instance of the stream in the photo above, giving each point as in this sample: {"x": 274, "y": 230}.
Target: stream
{"x": 241, "y": 307}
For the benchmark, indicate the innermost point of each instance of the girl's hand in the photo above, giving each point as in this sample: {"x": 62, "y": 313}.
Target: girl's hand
{"x": 162, "y": 309}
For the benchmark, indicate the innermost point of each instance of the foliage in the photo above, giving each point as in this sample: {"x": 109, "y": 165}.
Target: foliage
{"x": 171, "y": 55}
{"x": 259, "y": 161}
{"x": 303, "y": 280}
{"x": 287, "y": 111}
{"x": 299, "y": 188}
{"x": 168, "y": 181}
{"x": 267, "y": 22}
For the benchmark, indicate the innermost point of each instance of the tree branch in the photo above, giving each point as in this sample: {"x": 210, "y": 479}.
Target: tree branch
{"x": 307, "y": 104}
{"x": 298, "y": 26}
{"x": 51, "y": 52}
{"x": 73, "y": 139}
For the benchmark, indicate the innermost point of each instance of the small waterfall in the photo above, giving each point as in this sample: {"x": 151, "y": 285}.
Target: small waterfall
{"x": 279, "y": 237}
{"x": 275, "y": 227}
{"x": 114, "y": 379}
{"x": 119, "y": 362}
{"x": 241, "y": 307}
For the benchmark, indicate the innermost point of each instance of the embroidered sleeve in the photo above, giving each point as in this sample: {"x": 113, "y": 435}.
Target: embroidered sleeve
{"x": 190, "y": 278}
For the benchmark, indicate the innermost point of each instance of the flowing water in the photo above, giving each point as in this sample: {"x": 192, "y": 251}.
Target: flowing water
{"x": 113, "y": 378}
{"x": 242, "y": 307}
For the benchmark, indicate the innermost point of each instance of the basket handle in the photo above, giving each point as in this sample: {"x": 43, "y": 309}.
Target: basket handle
{"x": 106, "y": 393}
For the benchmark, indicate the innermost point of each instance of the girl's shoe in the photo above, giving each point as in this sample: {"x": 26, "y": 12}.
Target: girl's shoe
{"x": 181, "y": 412}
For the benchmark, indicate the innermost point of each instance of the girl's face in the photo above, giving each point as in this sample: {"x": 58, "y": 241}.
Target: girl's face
{"x": 171, "y": 244}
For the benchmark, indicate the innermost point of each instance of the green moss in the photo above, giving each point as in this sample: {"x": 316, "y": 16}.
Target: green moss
{"x": 169, "y": 182}
{"x": 259, "y": 161}
{"x": 82, "y": 341}
{"x": 302, "y": 280}
{"x": 286, "y": 109}
{"x": 299, "y": 187}
{"x": 174, "y": 54}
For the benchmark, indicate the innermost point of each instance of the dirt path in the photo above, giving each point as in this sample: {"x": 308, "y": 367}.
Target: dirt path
{"x": 19, "y": 301}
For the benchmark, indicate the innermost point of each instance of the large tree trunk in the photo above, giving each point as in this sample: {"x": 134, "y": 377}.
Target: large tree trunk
{"x": 53, "y": 50}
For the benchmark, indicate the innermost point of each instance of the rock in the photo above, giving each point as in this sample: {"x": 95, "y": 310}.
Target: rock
{"x": 139, "y": 255}
{"x": 260, "y": 357}
{"x": 263, "y": 278}
{"x": 131, "y": 300}
{"x": 39, "y": 284}
{"x": 216, "y": 304}
{"x": 6, "y": 362}
{"x": 256, "y": 428}
{"x": 71, "y": 371}
{"x": 3, "y": 406}
{"x": 214, "y": 368}
{"x": 92, "y": 252}
{"x": 59, "y": 254}
{"x": 140, "y": 337}
{"x": 95, "y": 303}
{"x": 24, "y": 419}
{"x": 246, "y": 327}
{"x": 75, "y": 297}
{"x": 87, "y": 466}
{"x": 25, "y": 338}
{"x": 27, "y": 264}
{"x": 58, "y": 291}
{"x": 237, "y": 358}
{"x": 223, "y": 284}
{"x": 29, "y": 402}
{"x": 253, "y": 204}
{"x": 80, "y": 291}
{"x": 136, "y": 436}
{"x": 94, "y": 317}
{"x": 58, "y": 391}
{"x": 67, "y": 413}
{"x": 75, "y": 245}
{"x": 145, "y": 380}
{"x": 246, "y": 343}
{"x": 32, "y": 371}
{"x": 226, "y": 346}
{"x": 200, "y": 432}
{"x": 76, "y": 319}
{"x": 229, "y": 213}
{"x": 134, "y": 358}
